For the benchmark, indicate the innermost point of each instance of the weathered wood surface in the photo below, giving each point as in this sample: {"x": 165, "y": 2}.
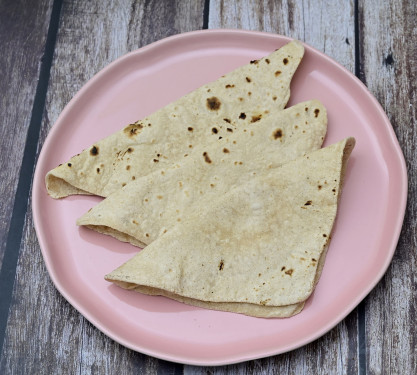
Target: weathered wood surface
{"x": 23, "y": 35}
{"x": 389, "y": 68}
{"x": 44, "y": 333}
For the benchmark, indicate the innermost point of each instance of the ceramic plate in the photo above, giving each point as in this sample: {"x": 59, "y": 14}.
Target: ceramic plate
{"x": 366, "y": 230}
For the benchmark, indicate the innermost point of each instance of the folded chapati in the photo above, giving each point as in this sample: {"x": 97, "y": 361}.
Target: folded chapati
{"x": 251, "y": 309}
{"x": 151, "y": 205}
{"x": 259, "y": 247}
{"x": 237, "y": 100}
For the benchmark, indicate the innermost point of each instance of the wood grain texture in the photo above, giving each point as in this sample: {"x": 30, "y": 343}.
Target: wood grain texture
{"x": 45, "y": 335}
{"x": 336, "y": 352}
{"x": 22, "y": 34}
{"x": 389, "y": 68}
{"x": 326, "y": 25}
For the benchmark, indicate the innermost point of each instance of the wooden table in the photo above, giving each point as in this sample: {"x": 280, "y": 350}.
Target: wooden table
{"x": 51, "y": 48}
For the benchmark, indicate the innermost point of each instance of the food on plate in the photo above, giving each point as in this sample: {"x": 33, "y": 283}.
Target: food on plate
{"x": 257, "y": 250}
{"x": 149, "y": 206}
{"x": 229, "y": 192}
{"x": 236, "y": 101}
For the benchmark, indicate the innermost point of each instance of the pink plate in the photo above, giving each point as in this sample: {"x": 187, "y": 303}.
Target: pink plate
{"x": 366, "y": 231}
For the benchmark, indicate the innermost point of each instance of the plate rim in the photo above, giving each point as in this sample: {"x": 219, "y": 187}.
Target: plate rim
{"x": 186, "y": 359}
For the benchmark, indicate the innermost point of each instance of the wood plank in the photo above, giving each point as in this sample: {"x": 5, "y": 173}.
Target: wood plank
{"x": 23, "y": 35}
{"x": 389, "y": 68}
{"x": 329, "y": 27}
{"x": 334, "y": 353}
{"x": 45, "y": 334}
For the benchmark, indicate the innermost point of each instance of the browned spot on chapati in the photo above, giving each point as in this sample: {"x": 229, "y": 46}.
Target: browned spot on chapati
{"x": 277, "y": 134}
{"x": 256, "y": 118}
{"x": 206, "y": 158}
{"x": 132, "y": 129}
{"x": 213, "y": 103}
{"x": 94, "y": 151}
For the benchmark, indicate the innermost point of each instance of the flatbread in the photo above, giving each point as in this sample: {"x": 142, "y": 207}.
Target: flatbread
{"x": 262, "y": 244}
{"x": 251, "y": 309}
{"x": 236, "y": 100}
{"x": 151, "y": 205}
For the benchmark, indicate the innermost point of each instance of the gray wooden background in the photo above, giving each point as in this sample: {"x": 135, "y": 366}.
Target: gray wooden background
{"x": 50, "y": 48}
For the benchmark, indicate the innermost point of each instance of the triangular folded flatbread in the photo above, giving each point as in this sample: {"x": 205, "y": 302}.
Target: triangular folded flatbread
{"x": 259, "y": 247}
{"x": 151, "y": 205}
{"x": 235, "y": 101}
